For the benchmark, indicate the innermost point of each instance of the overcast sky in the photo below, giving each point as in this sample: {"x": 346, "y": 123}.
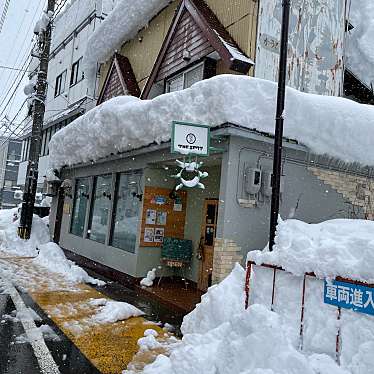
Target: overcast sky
{"x": 15, "y": 42}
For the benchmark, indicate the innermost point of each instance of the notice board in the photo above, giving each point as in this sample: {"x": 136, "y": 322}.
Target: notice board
{"x": 162, "y": 216}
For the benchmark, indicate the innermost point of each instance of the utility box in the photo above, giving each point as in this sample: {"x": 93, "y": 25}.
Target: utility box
{"x": 267, "y": 183}
{"x": 252, "y": 180}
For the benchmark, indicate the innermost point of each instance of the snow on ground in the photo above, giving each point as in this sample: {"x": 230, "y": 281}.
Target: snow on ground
{"x": 326, "y": 125}
{"x": 113, "y": 311}
{"x": 340, "y": 247}
{"x": 9, "y": 240}
{"x": 47, "y": 254}
{"x": 52, "y": 257}
{"x": 220, "y": 336}
{"x": 121, "y": 25}
{"x": 360, "y": 46}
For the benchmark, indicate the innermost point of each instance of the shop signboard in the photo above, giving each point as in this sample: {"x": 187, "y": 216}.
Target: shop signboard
{"x": 356, "y": 297}
{"x": 190, "y": 139}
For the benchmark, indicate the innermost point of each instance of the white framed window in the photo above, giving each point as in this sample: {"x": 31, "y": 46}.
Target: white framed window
{"x": 60, "y": 84}
{"x": 185, "y": 79}
{"x": 76, "y": 72}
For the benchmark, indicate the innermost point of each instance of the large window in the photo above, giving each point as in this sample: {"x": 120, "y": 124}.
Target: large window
{"x": 101, "y": 203}
{"x": 126, "y": 212}
{"x": 185, "y": 79}
{"x": 80, "y": 206}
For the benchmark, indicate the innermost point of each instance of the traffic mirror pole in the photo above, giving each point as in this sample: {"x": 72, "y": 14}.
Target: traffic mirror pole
{"x": 277, "y": 158}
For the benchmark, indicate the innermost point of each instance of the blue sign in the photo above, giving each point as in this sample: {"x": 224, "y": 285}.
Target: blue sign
{"x": 350, "y": 296}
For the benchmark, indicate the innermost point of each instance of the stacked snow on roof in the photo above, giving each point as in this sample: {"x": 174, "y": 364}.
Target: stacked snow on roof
{"x": 340, "y": 247}
{"x": 360, "y": 46}
{"x": 121, "y": 25}
{"x": 326, "y": 125}
{"x": 221, "y": 337}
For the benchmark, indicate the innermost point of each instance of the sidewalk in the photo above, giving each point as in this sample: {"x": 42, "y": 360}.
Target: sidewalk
{"x": 108, "y": 343}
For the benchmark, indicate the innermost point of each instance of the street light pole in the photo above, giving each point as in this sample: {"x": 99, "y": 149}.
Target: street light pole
{"x": 277, "y": 159}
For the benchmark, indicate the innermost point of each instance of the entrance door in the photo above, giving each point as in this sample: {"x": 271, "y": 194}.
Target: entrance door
{"x": 208, "y": 234}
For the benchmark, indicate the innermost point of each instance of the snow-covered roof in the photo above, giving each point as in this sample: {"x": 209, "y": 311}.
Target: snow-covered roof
{"x": 329, "y": 125}
{"x": 121, "y": 25}
{"x": 360, "y": 46}
{"x": 340, "y": 247}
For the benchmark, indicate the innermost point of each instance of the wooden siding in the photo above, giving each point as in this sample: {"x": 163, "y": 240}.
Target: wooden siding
{"x": 187, "y": 38}
{"x": 113, "y": 87}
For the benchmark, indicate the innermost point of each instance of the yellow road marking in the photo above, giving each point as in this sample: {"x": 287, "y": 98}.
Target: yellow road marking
{"x": 110, "y": 347}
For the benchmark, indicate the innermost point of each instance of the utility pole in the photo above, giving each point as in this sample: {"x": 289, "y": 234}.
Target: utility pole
{"x": 44, "y": 42}
{"x": 277, "y": 159}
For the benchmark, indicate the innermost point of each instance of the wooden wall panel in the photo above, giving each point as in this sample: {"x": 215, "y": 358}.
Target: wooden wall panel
{"x": 175, "y": 221}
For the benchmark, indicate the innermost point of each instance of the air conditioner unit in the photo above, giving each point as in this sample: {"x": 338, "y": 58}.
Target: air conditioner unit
{"x": 252, "y": 180}
{"x": 267, "y": 183}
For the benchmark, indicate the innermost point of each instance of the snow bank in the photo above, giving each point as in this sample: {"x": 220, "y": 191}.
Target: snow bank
{"x": 113, "y": 311}
{"x": 52, "y": 257}
{"x": 340, "y": 247}
{"x": 360, "y": 46}
{"x": 9, "y": 240}
{"x": 121, "y": 25}
{"x": 326, "y": 125}
{"x": 253, "y": 341}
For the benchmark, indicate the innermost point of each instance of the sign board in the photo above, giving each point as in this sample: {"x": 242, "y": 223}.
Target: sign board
{"x": 190, "y": 139}
{"x": 349, "y": 296}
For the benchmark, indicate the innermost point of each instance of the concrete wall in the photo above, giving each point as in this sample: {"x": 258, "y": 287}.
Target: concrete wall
{"x": 305, "y": 196}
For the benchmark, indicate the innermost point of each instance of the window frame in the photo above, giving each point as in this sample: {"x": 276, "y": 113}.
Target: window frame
{"x": 60, "y": 83}
{"x": 183, "y": 73}
{"x": 76, "y": 67}
{"x": 89, "y": 183}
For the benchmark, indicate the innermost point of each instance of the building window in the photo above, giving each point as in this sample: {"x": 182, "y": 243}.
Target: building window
{"x": 76, "y": 72}
{"x": 185, "y": 79}
{"x": 126, "y": 212}
{"x": 80, "y": 206}
{"x": 101, "y": 203}
{"x": 60, "y": 84}
{"x": 8, "y": 184}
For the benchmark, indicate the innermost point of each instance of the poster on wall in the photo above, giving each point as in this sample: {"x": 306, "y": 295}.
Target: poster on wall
{"x": 149, "y": 235}
{"x": 159, "y": 235}
{"x": 161, "y": 218}
{"x": 151, "y": 217}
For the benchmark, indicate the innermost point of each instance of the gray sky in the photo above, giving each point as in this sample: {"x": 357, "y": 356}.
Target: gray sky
{"x": 15, "y": 42}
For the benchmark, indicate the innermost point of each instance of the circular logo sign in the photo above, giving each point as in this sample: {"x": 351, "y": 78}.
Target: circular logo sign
{"x": 191, "y": 138}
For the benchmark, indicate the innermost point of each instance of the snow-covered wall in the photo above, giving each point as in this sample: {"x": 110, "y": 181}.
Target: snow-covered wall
{"x": 315, "y": 48}
{"x": 360, "y": 45}
{"x": 329, "y": 125}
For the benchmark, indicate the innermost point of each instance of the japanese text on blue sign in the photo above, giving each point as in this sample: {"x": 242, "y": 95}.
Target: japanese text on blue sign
{"x": 350, "y": 296}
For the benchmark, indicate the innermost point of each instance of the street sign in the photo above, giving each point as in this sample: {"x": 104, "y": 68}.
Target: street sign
{"x": 190, "y": 139}
{"x": 349, "y": 296}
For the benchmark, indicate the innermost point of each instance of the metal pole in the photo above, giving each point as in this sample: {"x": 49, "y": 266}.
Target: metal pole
{"x": 24, "y": 229}
{"x": 277, "y": 160}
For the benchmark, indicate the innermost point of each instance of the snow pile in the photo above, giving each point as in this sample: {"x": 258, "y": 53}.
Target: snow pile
{"x": 43, "y": 22}
{"x": 148, "y": 342}
{"x": 121, "y": 25}
{"x": 9, "y": 239}
{"x": 148, "y": 280}
{"x": 233, "y": 340}
{"x": 52, "y": 257}
{"x": 360, "y": 46}
{"x": 340, "y": 247}
{"x": 335, "y": 126}
{"x": 113, "y": 311}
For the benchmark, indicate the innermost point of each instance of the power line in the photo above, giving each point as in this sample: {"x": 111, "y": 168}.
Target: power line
{"x": 13, "y": 68}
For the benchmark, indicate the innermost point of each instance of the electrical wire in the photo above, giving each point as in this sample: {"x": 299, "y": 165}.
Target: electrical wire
{"x": 4, "y": 14}
{"x": 13, "y": 68}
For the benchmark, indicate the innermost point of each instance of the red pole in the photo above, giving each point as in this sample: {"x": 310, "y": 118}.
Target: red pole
{"x": 247, "y": 279}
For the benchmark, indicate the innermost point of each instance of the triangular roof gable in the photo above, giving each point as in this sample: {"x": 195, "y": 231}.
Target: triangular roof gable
{"x": 120, "y": 80}
{"x": 213, "y": 33}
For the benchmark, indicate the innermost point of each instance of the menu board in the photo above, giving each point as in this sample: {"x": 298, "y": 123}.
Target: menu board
{"x": 162, "y": 216}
